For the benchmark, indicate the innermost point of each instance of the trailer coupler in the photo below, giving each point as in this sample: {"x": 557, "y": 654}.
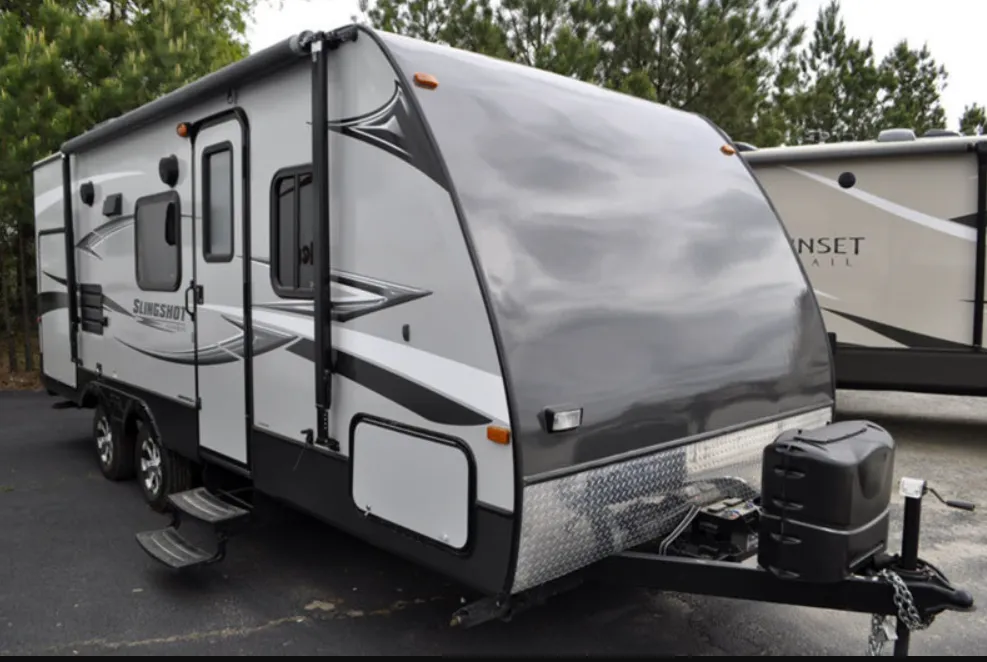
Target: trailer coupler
{"x": 901, "y": 585}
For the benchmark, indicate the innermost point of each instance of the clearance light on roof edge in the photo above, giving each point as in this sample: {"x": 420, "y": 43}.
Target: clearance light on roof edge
{"x": 728, "y": 150}
{"x": 426, "y": 81}
{"x": 182, "y": 130}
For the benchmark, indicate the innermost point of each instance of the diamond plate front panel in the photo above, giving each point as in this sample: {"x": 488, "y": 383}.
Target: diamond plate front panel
{"x": 577, "y": 520}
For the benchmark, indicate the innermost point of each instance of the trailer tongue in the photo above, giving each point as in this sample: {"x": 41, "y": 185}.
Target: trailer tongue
{"x": 806, "y": 555}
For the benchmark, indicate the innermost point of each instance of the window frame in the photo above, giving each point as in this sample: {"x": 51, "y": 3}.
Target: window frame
{"x": 207, "y": 153}
{"x": 295, "y": 172}
{"x": 171, "y": 197}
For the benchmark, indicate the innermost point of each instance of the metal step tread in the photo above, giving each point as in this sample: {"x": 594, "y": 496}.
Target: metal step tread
{"x": 169, "y": 547}
{"x": 203, "y": 505}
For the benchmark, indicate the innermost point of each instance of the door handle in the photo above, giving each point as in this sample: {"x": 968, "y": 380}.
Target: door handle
{"x": 189, "y": 290}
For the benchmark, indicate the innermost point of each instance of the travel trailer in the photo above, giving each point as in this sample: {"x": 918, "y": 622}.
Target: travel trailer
{"x": 891, "y": 234}
{"x": 476, "y": 314}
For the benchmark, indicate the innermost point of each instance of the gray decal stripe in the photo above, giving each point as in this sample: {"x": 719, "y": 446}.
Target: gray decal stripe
{"x": 957, "y": 230}
{"x": 371, "y": 295}
{"x": 92, "y": 239}
{"x": 183, "y": 357}
{"x": 225, "y": 351}
{"x": 426, "y": 403}
{"x": 899, "y": 335}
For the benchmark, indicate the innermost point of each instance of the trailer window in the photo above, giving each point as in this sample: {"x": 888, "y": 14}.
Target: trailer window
{"x": 217, "y": 203}
{"x": 158, "y": 242}
{"x": 292, "y": 234}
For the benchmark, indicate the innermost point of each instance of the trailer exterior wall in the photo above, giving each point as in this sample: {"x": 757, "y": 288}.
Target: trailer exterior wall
{"x": 57, "y": 368}
{"x": 417, "y": 379}
{"x": 414, "y": 348}
{"x": 635, "y": 271}
{"x": 892, "y": 237}
{"x": 892, "y": 257}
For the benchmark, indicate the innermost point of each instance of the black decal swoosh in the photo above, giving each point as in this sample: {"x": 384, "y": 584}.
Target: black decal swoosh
{"x": 969, "y": 220}
{"x": 395, "y": 128}
{"x": 899, "y": 335}
{"x": 57, "y": 279}
{"x": 115, "y": 307}
{"x": 49, "y": 301}
{"x": 428, "y": 404}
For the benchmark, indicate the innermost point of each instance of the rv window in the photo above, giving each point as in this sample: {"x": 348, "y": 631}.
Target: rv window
{"x": 217, "y": 203}
{"x": 292, "y": 234}
{"x": 158, "y": 242}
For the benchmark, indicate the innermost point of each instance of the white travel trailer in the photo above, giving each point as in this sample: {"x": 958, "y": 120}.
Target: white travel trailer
{"x": 892, "y": 235}
{"x": 479, "y": 315}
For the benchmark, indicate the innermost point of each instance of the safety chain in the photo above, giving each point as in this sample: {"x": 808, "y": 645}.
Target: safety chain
{"x": 882, "y": 629}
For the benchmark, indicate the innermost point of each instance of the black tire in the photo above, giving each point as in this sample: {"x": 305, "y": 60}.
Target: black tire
{"x": 114, "y": 451}
{"x": 160, "y": 472}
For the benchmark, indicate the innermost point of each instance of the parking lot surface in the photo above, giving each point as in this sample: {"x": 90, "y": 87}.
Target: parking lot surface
{"x": 74, "y": 582}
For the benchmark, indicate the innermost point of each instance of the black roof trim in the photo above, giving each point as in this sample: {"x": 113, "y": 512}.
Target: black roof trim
{"x": 232, "y": 75}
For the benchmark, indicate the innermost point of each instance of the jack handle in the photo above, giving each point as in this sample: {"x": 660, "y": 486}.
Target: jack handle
{"x": 953, "y": 503}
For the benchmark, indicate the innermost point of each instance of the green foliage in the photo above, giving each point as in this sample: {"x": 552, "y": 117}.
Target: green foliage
{"x": 839, "y": 84}
{"x": 973, "y": 122}
{"x": 744, "y": 64}
{"x": 912, "y": 83}
{"x": 67, "y": 65}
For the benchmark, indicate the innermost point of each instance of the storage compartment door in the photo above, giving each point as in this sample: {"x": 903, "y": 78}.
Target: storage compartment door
{"x": 412, "y": 479}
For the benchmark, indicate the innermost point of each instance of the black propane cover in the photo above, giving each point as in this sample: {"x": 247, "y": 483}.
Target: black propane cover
{"x": 825, "y": 498}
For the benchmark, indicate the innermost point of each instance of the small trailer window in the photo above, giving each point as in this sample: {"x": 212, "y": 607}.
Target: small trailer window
{"x": 217, "y": 203}
{"x": 158, "y": 242}
{"x": 292, "y": 234}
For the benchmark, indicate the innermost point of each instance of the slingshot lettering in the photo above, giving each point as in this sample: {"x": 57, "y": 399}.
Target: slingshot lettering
{"x": 162, "y": 311}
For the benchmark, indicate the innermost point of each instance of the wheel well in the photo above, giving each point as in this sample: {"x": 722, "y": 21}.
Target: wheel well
{"x": 132, "y": 417}
{"x": 90, "y": 398}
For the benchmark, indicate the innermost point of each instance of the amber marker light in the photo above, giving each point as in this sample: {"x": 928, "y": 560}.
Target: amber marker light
{"x": 426, "y": 81}
{"x": 498, "y": 435}
{"x": 182, "y": 130}
{"x": 729, "y": 151}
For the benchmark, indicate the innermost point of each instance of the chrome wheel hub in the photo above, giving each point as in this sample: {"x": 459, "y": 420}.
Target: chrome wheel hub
{"x": 104, "y": 441}
{"x": 151, "y": 466}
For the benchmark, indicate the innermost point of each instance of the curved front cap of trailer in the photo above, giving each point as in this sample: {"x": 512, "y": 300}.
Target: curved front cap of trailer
{"x": 638, "y": 277}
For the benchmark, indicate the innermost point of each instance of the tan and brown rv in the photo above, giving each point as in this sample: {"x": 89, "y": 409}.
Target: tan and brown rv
{"x": 891, "y": 234}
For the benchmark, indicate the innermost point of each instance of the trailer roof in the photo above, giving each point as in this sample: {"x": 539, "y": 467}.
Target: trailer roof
{"x": 863, "y": 148}
{"x": 232, "y": 75}
{"x": 48, "y": 159}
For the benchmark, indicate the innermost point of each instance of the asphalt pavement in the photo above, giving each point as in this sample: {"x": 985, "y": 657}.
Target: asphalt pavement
{"x": 74, "y": 582}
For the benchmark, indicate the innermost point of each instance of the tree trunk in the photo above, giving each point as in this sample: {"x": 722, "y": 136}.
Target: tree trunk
{"x": 5, "y": 313}
{"x": 25, "y": 298}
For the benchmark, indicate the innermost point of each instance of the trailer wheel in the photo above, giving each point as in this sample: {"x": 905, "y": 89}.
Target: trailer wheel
{"x": 160, "y": 471}
{"x": 114, "y": 451}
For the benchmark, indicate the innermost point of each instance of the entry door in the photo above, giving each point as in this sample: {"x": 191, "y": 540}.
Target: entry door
{"x": 220, "y": 345}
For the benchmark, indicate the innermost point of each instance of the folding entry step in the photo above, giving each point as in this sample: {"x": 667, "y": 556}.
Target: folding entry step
{"x": 173, "y": 549}
{"x": 169, "y": 547}
{"x": 205, "y": 506}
